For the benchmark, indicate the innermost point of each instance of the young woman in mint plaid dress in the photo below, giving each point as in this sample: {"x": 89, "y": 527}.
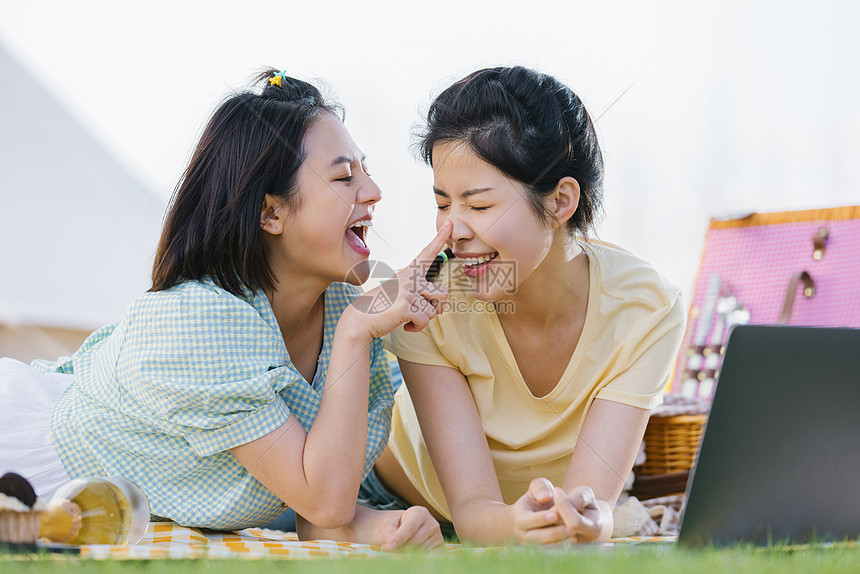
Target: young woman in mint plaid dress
{"x": 246, "y": 379}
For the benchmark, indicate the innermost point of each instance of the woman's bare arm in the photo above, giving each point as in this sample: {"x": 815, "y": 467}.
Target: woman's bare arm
{"x": 458, "y": 447}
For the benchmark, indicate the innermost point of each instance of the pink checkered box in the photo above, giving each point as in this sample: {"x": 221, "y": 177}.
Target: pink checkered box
{"x": 796, "y": 268}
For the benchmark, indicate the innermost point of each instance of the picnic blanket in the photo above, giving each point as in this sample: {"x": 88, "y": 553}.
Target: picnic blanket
{"x": 169, "y": 540}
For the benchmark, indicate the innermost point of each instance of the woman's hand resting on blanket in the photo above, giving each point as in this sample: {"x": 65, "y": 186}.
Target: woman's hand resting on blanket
{"x": 547, "y": 514}
{"x": 390, "y": 529}
{"x": 413, "y": 527}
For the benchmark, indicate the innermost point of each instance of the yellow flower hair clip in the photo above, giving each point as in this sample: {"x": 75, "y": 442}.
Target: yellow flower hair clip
{"x": 277, "y": 79}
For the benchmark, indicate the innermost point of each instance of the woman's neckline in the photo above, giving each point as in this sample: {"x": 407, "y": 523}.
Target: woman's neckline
{"x": 592, "y": 307}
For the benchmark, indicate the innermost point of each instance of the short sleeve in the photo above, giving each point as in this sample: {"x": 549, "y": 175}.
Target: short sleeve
{"x": 195, "y": 362}
{"x": 646, "y": 358}
{"x": 436, "y": 344}
{"x": 247, "y": 411}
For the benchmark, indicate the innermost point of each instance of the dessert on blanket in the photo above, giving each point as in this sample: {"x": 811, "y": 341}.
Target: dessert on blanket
{"x": 20, "y": 510}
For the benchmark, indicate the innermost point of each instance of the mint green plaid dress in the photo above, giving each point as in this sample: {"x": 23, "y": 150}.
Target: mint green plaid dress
{"x": 190, "y": 372}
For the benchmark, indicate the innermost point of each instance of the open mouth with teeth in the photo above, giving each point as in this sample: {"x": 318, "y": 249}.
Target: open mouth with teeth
{"x": 356, "y": 236}
{"x": 474, "y": 266}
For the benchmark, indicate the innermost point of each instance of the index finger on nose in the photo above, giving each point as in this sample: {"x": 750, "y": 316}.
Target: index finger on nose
{"x": 436, "y": 245}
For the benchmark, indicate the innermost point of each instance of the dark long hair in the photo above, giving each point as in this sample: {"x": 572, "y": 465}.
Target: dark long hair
{"x": 529, "y": 126}
{"x": 252, "y": 146}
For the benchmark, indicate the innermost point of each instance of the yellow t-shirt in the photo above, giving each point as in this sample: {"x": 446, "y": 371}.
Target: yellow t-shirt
{"x": 633, "y": 327}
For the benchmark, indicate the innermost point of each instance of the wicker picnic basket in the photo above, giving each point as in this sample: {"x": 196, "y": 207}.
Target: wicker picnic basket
{"x": 671, "y": 442}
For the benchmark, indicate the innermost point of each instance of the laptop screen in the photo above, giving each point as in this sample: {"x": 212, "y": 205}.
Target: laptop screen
{"x": 780, "y": 457}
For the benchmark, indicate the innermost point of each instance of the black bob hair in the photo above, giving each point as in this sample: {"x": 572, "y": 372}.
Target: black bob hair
{"x": 251, "y": 146}
{"x": 529, "y": 126}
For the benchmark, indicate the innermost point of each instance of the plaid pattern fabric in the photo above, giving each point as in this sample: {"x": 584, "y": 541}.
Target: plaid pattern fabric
{"x": 189, "y": 373}
{"x": 169, "y": 540}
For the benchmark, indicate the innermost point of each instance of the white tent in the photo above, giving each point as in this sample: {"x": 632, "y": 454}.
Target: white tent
{"x": 77, "y": 231}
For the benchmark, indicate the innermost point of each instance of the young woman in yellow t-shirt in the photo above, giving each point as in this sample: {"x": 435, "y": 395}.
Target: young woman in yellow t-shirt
{"x": 534, "y": 387}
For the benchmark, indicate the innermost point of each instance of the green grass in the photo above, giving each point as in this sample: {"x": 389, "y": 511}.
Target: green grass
{"x": 643, "y": 559}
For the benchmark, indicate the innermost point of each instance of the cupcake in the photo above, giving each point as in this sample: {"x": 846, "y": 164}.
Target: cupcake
{"x": 20, "y": 510}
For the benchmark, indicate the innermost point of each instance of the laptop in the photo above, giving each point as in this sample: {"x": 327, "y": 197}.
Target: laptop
{"x": 780, "y": 458}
